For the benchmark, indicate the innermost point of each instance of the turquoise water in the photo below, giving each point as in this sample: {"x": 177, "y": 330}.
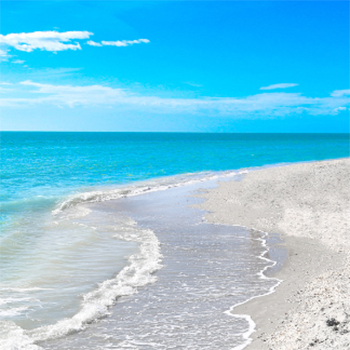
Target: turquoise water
{"x": 55, "y": 164}
{"x": 39, "y": 168}
{"x": 64, "y": 258}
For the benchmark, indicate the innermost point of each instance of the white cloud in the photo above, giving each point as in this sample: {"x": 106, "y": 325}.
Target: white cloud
{"x": 46, "y": 41}
{"x": 278, "y": 86}
{"x": 4, "y": 55}
{"x": 192, "y": 84}
{"x": 338, "y": 93}
{"x": 339, "y": 109}
{"x": 267, "y": 105}
{"x": 119, "y": 43}
{"x": 53, "y": 41}
{"x": 93, "y": 43}
{"x": 4, "y": 89}
{"x": 18, "y": 61}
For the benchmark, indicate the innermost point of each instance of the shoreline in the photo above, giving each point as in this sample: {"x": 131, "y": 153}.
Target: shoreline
{"x": 308, "y": 205}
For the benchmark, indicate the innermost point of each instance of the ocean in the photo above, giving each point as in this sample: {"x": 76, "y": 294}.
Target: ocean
{"x": 102, "y": 247}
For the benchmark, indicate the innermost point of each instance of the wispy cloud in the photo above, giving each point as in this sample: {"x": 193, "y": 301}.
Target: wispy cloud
{"x": 93, "y": 43}
{"x": 339, "y": 109}
{"x": 2, "y": 89}
{"x": 45, "y": 41}
{"x": 193, "y": 84}
{"x": 267, "y": 105}
{"x": 338, "y": 93}
{"x": 119, "y": 43}
{"x": 278, "y": 86}
{"x": 53, "y": 41}
{"x": 4, "y": 56}
{"x": 18, "y": 61}
{"x": 6, "y": 88}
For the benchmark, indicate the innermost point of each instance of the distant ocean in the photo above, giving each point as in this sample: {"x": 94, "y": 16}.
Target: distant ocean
{"x": 100, "y": 248}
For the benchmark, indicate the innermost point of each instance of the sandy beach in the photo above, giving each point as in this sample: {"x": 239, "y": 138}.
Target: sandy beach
{"x": 308, "y": 206}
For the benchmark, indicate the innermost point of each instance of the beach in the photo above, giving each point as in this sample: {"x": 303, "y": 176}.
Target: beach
{"x": 308, "y": 206}
{"x": 113, "y": 250}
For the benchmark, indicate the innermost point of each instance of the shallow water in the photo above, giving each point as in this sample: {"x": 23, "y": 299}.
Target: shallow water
{"x": 93, "y": 226}
{"x": 206, "y": 270}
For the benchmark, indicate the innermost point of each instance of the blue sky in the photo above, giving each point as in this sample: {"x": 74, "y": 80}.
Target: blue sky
{"x": 230, "y": 66}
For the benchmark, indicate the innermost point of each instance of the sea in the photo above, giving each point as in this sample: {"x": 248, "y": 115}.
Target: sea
{"x": 103, "y": 246}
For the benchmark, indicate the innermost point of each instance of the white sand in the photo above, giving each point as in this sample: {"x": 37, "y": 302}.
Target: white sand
{"x": 309, "y": 205}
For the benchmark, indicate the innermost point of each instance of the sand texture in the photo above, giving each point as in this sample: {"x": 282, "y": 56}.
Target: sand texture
{"x": 308, "y": 204}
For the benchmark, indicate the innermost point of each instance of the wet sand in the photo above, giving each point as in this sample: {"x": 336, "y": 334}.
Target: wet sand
{"x": 308, "y": 205}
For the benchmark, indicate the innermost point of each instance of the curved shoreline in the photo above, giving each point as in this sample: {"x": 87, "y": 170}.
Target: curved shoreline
{"x": 308, "y": 204}
{"x": 246, "y": 315}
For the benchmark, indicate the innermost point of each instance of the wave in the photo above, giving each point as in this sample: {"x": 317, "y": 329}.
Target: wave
{"x": 138, "y": 273}
{"x": 13, "y": 337}
{"x": 139, "y": 188}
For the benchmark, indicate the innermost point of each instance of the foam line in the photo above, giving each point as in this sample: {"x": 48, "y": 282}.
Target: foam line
{"x": 139, "y": 188}
{"x": 138, "y": 273}
{"x": 251, "y": 323}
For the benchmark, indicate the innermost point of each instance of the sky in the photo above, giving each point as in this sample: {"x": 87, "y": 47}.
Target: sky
{"x": 175, "y": 66}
